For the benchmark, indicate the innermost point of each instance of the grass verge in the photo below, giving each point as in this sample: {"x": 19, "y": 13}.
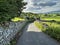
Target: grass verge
{"x": 53, "y": 29}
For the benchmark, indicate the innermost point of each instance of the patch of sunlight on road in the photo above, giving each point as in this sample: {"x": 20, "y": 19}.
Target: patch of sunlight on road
{"x": 33, "y": 28}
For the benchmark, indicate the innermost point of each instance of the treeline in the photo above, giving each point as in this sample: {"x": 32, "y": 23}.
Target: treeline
{"x": 32, "y": 15}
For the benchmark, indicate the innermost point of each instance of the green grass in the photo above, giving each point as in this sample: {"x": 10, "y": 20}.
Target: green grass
{"x": 53, "y": 29}
{"x": 17, "y": 19}
{"x": 51, "y": 18}
{"x": 39, "y": 25}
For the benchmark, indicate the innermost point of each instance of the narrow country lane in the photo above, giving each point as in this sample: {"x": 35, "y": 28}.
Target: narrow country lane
{"x": 33, "y": 36}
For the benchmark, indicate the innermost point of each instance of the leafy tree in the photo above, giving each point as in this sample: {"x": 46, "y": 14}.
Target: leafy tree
{"x": 10, "y": 9}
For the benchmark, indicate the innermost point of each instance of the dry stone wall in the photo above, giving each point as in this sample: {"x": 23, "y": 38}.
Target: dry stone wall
{"x": 6, "y": 34}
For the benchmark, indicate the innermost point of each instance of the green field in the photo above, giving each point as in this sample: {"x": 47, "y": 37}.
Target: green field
{"x": 57, "y": 18}
{"x": 17, "y": 19}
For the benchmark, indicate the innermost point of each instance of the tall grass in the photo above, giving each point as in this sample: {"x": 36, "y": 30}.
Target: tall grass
{"x": 53, "y": 29}
{"x": 39, "y": 25}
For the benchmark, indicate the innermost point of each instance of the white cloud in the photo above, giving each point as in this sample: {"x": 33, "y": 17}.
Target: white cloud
{"x": 42, "y": 6}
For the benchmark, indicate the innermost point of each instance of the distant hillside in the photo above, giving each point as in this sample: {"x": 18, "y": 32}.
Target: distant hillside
{"x": 54, "y": 12}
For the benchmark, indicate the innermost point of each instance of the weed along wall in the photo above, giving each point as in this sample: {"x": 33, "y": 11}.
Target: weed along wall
{"x": 6, "y": 34}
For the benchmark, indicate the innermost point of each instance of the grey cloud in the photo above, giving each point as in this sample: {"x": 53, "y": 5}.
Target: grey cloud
{"x": 42, "y": 6}
{"x": 35, "y": 1}
{"x": 45, "y": 4}
{"x": 48, "y": 4}
{"x": 34, "y": 8}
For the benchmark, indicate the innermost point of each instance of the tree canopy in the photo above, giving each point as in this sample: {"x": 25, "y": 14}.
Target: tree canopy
{"x": 10, "y": 8}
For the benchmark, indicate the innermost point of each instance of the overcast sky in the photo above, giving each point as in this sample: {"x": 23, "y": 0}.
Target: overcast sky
{"x": 42, "y": 6}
